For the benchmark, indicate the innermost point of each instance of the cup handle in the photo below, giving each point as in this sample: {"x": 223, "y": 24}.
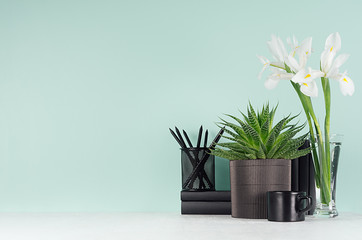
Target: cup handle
{"x": 309, "y": 205}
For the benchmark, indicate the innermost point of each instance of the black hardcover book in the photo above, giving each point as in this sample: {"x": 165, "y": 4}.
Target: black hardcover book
{"x": 207, "y": 196}
{"x": 295, "y": 175}
{"x": 199, "y": 207}
{"x": 303, "y": 175}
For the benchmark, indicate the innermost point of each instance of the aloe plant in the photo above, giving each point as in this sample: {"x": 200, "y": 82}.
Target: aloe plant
{"x": 255, "y": 137}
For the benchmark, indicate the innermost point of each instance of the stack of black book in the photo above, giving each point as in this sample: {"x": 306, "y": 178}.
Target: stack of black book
{"x": 206, "y": 202}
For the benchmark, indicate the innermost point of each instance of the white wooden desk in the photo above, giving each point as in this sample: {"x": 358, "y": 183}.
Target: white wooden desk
{"x": 171, "y": 226}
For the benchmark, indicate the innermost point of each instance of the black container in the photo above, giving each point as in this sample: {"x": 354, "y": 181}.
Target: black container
{"x": 198, "y": 169}
{"x": 250, "y": 180}
{"x": 287, "y": 206}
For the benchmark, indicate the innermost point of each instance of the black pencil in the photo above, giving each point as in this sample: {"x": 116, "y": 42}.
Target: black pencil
{"x": 205, "y": 140}
{"x": 199, "y": 138}
{"x": 187, "y": 138}
{"x": 180, "y": 137}
{"x": 176, "y": 138}
{"x": 217, "y": 138}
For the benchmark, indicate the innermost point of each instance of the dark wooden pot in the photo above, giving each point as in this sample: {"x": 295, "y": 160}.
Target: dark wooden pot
{"x": 250, "y": 180}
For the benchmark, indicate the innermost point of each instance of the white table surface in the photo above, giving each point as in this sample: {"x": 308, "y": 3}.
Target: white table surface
{"x": 109, "y": 226}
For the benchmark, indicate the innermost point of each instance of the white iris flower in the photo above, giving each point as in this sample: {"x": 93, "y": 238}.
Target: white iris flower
{"x": 330, "y": 65}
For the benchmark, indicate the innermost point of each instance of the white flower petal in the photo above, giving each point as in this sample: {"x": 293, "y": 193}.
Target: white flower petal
{"x": 277, "y": 48}
{"x": 262, "y": 71}
{"x": 295, "y": 41}
{"x": 299, "y": 77}
{"x": 274, "y": 49}
{"x": 305, "y": 47}
{"x": 286, "y": 76}
{"x": 333, "y": 71}
{"x": 316, "y": 74}
{"x": 262, "y": 59}
{"x": 310, "y": 89}
{"x": 346, "y": 85}
{"x": 307, "y": 76}
{"x": 289, "y": 42}
{"x": 270, "y": 83}
{"x": 333, "y": 42}
{"x": 282, "y": 48}
{"x": 340, "y": 60}
{"x": 327, "y": 60}
{"x": 338, "y": 76}
{"x": 293, "y": 64}
{"x": 279, "y": 74}
{"x": 324, "y": 57}
{"x": 293, "y": 44}
{"x": 303, "y": 60}
{"x": 265, "y": 63}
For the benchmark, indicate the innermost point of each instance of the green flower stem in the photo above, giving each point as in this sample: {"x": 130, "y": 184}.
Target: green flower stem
{"x": 277, "y": 66}
{"x": 321, "y": 169}
{"x": 308, "y": 109}
{"x": 322, "y": 163}
{"x": 316, "y": 124}
{"x": 326, "y": 164}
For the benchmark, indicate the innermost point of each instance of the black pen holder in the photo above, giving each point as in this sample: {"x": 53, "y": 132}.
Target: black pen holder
{"x": 198, "y": 169}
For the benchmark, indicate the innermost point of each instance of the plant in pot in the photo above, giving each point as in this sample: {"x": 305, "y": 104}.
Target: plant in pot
{"x": 260, "y": 155}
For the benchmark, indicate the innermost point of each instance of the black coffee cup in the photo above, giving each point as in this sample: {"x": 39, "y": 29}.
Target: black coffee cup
{"x": 287, "y": 206}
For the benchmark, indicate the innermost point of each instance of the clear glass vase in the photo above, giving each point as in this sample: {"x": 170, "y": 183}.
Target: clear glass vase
{"x": 326, "y": 177}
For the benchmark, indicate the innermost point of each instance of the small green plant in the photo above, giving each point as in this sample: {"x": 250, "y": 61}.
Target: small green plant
{"x": 257, "y": 138}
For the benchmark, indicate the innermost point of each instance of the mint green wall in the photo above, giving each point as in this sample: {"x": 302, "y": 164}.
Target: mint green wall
{"x": 88, "y": 90}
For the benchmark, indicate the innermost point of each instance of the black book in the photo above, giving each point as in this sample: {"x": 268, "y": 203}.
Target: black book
{"x": 303, "y": 175}
{"x": 200, "y": 207}
{"x": 295, "y": 175}
{"x": 207, "y": 196}
{"x": 303, "y": 172}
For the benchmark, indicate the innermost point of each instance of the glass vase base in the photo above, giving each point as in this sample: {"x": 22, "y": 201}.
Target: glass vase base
{"x": 324, "y": 210}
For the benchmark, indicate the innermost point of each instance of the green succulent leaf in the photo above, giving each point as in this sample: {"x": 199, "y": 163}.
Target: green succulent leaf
{"x": 253, "y": 119}
{"x": 256, "y": 137}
